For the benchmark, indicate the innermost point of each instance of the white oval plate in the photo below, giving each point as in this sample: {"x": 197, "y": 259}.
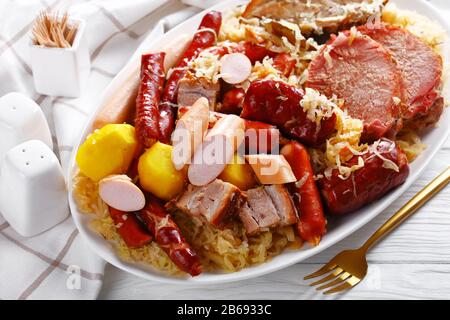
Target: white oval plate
{"x": 338, "y": 228}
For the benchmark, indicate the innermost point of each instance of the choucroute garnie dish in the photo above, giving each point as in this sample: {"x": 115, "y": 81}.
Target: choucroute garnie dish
{"x": 235, "y": 143}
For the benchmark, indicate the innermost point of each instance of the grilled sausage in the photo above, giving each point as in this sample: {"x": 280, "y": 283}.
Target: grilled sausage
{"x": 147, "y": 102}
{"x": 312, "y": 223}
{"x": 278, "y": 103}
{"x": 168, "y": 236}
{"x": 385, "y": 167}
{"x": 130, "y": 229}
{"x": 211, "y": 24}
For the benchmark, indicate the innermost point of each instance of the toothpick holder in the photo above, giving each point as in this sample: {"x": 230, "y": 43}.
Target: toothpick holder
{"x": 62, "y": 71}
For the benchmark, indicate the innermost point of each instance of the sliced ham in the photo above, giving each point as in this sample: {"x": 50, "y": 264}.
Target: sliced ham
{"x": 360, "y": 71}
{"x": 215, "y": 203}
{"x": 422, "y": 121}
{"x": 420, "y": 67}
{"x": 192, "y": 88}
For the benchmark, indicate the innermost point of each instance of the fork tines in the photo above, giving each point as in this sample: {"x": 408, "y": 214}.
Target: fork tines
{"x": 336, "y": 281}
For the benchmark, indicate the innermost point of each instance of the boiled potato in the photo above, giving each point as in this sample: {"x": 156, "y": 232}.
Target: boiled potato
{"x": 107, "y": 151}
{"x": 239, "y": 174}
{"x": 157, "y": 173}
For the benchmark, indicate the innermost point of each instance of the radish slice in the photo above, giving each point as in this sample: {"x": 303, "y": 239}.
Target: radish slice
{"x": 217, "y": 150}
{"x": 189, "y": 133}
{"x": 271, "y": 169}
{"x": 119, "y": 192}
{"x": 235, "y": 68}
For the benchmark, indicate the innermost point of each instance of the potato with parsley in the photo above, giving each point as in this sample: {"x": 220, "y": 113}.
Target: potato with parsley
{"x": 239, "y": 173}
{"x": 107, "y": 151}
{"x": 157, "y": 173}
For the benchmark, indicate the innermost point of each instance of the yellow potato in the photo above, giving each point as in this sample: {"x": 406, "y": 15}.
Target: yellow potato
{"x": 157, "y": 173}
{"x": 239, "y": 174}
{"x": 107, "y": 151}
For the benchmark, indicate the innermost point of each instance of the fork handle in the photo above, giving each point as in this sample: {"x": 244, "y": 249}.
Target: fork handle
{"x": 409, "y": 208}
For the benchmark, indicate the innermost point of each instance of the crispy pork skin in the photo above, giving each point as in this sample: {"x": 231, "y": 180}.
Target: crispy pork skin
{"x": 191, "y": 89}
{"x": 267, "y": 207}
{"x": 258, "y": 213}
{"x": 283, "y": 204}
{"x": 215, "y": 203}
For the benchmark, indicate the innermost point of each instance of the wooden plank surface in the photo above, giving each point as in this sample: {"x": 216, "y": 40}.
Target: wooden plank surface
{"x": 413, "y": 262}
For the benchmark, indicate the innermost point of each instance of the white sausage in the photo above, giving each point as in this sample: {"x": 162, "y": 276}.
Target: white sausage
{"x": 174, "y": 50}
{"x": 189, "y": 133}
{"x": 235, "y": 68}
{"x": 118, "y": 108}
{"x": 271, "y": 169}
{"x": 119, "y": 192}
{"x": 217, "y": 150}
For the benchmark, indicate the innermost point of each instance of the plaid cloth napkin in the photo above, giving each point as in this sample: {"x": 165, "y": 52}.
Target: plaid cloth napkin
{"x": 57, "y": 264}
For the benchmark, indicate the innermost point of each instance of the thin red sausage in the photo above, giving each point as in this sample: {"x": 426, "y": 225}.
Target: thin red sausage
{"x": 201, "y": 41}
{"x": 367, "y": 184}
{"x": 169, "y": 237}
{"x": 312, "y": 224}
{"x": 147, "y": 102}
{"x": 130, "y": 229}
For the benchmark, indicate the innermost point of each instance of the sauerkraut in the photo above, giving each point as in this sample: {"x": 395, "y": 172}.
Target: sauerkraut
{"x": 227, "y": 250}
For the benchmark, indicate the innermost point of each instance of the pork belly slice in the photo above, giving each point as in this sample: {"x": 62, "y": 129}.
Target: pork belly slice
{"x": 215, "y": 203}
{"x": 258, "y": 213}
{"x": 283, "y": 204}
{"x": 192, "y": 88}
{"x": 267, "y": 207}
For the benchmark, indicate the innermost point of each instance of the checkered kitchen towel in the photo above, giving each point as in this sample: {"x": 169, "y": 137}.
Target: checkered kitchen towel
{"x": 57, "y": 264}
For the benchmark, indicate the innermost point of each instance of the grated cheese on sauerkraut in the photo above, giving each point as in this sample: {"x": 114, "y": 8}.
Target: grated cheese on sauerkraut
{"x": 317, "y": 106}
{"x": 228, "y": 250}
{"x": 342, "y": 146}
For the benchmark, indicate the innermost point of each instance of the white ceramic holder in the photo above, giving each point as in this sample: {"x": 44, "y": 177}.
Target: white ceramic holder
{"x": 21, "y": 119}
{"x": 62, "y": 71}
{"x": 33, "y": 193}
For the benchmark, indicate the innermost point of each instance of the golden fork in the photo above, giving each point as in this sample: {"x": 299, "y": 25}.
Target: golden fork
{"x": 349, "y": 268}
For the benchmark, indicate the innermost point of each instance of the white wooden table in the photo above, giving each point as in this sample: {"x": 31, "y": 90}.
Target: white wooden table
{"x": 413, "y": 262}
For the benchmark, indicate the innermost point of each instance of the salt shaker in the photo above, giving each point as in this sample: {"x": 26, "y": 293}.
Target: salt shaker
{"x": 33, "y": 193}
{"x": 21, "y": 119}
